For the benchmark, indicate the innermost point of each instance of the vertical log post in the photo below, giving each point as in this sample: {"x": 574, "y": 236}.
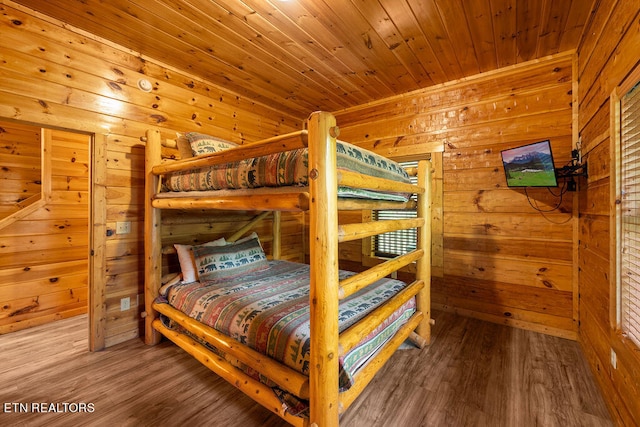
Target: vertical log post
{"x": 153, "y": 240}
{"x": 423, "y": 267}
{"x": 323, "y": 246}
{"x": 276, "y": 231}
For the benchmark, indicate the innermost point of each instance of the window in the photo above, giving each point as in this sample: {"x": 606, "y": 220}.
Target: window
{"x": 390, "y": 245}
{"x": 628, "y": 158}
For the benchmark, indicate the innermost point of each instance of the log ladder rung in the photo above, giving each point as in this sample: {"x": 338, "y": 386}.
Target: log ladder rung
{"x": 354, "y": 283}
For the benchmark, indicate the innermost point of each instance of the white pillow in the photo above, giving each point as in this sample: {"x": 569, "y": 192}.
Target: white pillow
{"x": 188, "y": 261}
{"x": 253, "y": 235}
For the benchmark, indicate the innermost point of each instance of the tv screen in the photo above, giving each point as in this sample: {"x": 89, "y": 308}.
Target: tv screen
{"x": 530, "y": 165}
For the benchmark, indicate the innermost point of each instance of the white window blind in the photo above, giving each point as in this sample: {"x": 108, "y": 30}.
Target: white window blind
{"x": 629, "y": 297}
{"x": 389, "y": 245}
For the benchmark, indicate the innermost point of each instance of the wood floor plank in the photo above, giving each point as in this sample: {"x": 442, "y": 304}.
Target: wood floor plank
{"x": 473, "y": 374}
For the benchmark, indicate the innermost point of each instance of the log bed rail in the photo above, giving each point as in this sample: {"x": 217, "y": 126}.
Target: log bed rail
{"x": 321, "y": 201}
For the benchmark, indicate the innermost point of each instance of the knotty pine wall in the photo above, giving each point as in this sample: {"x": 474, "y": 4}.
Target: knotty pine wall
{"x": 44, "y": 251}
{"x": 20, "y": 147}
{"x": 494, "y": 256}
{"x": 499, "y": 259}
{"x": 56, "y": 76}
{"x": 607, "y": 58}
{"x": 197, "y": 227}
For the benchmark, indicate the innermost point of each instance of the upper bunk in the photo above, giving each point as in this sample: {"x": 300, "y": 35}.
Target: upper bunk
{"x": 278, "y": 173}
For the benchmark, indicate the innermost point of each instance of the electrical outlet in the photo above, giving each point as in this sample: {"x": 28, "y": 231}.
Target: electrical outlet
{"x": 614, "y": 359}
{"x": 125, "y": 304}
{"x": 123, "y": 227}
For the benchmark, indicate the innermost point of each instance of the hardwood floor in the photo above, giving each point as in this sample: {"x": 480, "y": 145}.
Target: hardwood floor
{"x": 473, "y": 374}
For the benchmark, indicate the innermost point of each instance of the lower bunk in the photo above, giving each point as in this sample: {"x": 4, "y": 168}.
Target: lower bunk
{"x": 253, "y": 329}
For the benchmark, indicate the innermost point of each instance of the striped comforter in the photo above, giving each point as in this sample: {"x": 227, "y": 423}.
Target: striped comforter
{"x": 289, "y": 168}
{"x": 269, "y": 312}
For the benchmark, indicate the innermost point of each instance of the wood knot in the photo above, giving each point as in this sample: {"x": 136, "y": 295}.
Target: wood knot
{"x": 158, "y": 118}
{"x": 367, "y": 41}
{"x": 334, "y": 131}
{"x": 313, "y": 174}
{"x": 114, "y": 86}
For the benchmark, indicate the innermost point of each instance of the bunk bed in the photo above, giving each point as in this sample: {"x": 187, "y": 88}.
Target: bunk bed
{"x": 268, "y": 381}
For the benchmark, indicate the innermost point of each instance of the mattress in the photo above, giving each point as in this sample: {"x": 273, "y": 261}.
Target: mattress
{"x": 289, "y": 168}
{"x": 269, "y": 311}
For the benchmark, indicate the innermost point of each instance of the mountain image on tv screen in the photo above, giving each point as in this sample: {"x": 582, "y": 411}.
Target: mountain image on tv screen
{"x": 530, "y": 166}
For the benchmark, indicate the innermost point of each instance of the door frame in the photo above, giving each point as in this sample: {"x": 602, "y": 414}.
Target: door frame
{"x": 97, "y": 241}
{"x": 97, "y": 214}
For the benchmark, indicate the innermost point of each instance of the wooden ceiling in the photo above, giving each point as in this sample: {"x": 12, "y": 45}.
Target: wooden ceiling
{"x": 305, "y": 55}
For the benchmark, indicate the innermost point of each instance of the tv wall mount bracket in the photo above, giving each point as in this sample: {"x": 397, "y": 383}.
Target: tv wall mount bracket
{"x": 570, "y": 171}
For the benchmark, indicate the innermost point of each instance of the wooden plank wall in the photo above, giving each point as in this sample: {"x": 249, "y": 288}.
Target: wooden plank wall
{"x": 44, "y": 254}
{"x": 20, "y": 147}
{"x": 501, "y": 260}
{"x": 57, "y": 76}
{"x": 195, "y": 228}
{"x": 608, "y": 54}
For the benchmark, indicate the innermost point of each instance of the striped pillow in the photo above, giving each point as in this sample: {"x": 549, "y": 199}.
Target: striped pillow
{"x": 187, "y": 260}
{"x": 219, "y": 263}
{"x": 206, "y": 144}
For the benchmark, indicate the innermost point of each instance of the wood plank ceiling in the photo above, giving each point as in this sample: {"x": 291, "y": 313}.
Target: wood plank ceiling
{"x": 305, "y": 55}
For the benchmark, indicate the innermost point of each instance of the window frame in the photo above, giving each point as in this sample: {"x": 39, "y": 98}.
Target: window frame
{"x": 369, "y": 257}
{"x": 375, "y": 249}
{"x": 615, "y": 307}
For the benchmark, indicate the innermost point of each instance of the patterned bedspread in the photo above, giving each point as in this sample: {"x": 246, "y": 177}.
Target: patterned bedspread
{"x": 269, "y": 311}
{"x": 287, "y": 169}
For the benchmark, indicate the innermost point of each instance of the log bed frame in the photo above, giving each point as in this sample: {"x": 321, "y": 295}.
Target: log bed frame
{"x": 321, "y": 201}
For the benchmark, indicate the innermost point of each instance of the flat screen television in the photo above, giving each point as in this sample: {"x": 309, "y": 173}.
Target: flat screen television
{"x": 530, "y": 165}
